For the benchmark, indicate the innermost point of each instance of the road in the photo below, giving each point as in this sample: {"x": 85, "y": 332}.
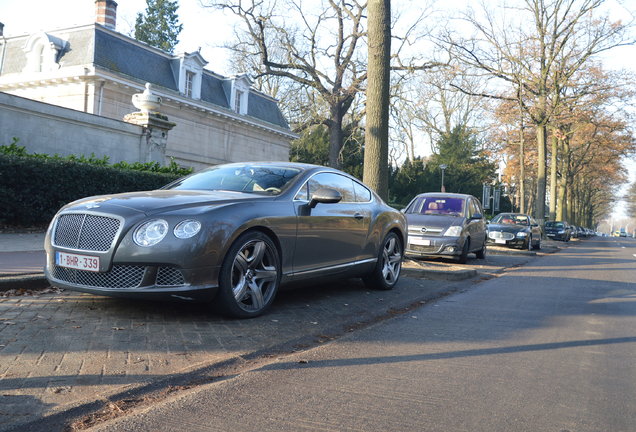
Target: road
{"x": 549, "y": 346}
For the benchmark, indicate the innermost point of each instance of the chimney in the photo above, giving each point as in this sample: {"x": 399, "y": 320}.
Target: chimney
{"x": 106, "y": 13}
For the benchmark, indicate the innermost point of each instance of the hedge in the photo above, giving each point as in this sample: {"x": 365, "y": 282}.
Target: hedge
{"x": 32, "y": 189}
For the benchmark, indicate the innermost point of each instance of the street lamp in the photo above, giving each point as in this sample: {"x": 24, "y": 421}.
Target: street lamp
{"x": 443, "y": 167}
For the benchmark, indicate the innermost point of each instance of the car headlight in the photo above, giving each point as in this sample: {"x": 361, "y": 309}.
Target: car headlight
{"x": 187, "y": 228}
{"x": 150, "y": 233}
{"x": 561, "y": 231}
{"x": 522, "y": 234}
{"x": 454, "y": 231}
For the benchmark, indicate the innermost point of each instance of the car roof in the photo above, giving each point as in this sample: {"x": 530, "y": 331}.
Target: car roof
{"x": 444, "y": 195}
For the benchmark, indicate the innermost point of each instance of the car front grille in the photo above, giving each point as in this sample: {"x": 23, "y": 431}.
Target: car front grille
{"x": 169, "y": 276}
{"x": 427, "y": 231}
{"x": 500, "y": 235}
{"x": 121, "y": 276}
{"x": 83, "y": 231}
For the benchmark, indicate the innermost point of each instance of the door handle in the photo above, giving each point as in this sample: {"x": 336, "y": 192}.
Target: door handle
{"x": 358, "y": 216}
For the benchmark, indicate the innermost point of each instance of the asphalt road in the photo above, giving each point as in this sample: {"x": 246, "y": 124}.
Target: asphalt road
{"x": 545, "y": 347}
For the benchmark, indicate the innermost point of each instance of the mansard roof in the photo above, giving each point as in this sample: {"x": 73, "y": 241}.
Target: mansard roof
{"x": 121, "y": 55}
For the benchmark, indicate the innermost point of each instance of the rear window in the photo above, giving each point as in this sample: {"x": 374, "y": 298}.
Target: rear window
{"x": 438, "y": 206}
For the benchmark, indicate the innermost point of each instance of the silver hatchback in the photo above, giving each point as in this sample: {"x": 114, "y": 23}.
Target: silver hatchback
{"x": 446, "y": 224}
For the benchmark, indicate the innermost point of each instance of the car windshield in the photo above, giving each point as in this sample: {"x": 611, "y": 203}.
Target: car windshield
{"x": 266, "y": 180}
{"x": 438, "y": 206}
{"x": 511, "y": 219}
{"x": 554, "y": 225}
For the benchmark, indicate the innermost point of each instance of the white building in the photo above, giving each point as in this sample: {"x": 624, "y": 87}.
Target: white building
{"x": 94, "y": 69}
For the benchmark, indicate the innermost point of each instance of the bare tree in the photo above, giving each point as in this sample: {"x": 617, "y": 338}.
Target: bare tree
{"x": 563, "y": 36}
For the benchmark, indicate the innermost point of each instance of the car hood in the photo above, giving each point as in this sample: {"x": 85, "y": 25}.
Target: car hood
{"x": 160, "y": 201}
{"x": 507, "y": 228}
{"x": 433, "y": 221}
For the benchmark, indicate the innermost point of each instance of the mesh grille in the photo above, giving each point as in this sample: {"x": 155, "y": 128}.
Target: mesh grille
{"x": 169, "y": 276}
{"x": 121, "y": 276}
{"x": 86, "y": 232}
{"x": 501, "y": 235}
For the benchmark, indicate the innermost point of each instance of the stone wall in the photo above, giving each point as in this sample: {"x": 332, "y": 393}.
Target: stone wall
{"x": 50, "y": 129}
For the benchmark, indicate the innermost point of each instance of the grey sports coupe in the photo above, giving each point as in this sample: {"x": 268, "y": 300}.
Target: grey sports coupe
{"x": 232, "y": 234}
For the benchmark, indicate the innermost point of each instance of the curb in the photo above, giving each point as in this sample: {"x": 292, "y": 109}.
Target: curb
{"x": 447, "y": 275}
{"x": 24, "y": 282}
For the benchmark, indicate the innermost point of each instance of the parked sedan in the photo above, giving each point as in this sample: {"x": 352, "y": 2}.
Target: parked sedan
{"x": 232, "y": 233}
{"x": 558, "y": 230}
{"x": 442, "y": 224}
{"x": 514, "y": 230}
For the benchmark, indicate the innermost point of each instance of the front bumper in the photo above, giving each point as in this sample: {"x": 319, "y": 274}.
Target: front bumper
{"x": 434, "y": 246}
{"x": 138, "y": 280}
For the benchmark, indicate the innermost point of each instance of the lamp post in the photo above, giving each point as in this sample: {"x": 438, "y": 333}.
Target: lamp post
{"x": 443, "y": 167}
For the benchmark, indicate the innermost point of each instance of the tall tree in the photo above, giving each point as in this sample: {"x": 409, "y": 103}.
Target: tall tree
{"x": 159, "y": 25}
{"x": 537, "y": 54}
{"x": 376, "y": 154}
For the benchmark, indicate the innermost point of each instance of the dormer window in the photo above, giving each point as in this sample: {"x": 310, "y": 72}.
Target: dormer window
{"x": 189, "y": 82}
{"x": 43, "y": 52}
{"x": 240, "y": 93}
{"x": 190, "y": 74}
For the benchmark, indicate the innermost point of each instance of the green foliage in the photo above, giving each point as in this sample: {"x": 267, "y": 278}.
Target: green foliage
{"x": 14, "y": 149}
{"x": 32, "y": 189}
{"x": 467, "y": 168}
{"x": 159, "y": 25}
{"x": 313, "y": 147}
{"x": 412, "y": 178}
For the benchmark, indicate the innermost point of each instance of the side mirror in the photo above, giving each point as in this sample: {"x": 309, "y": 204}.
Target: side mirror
{"x": 325, "y": 196}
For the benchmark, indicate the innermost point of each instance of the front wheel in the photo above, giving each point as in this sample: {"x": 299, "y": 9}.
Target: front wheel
{"x": 387, "y": 269}
{"x": 249, "y": 276}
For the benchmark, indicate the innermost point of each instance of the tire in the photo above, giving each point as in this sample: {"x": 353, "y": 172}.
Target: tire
{"x": 463, "y": 257}
{"x": 386, "y": 272}
{"x": 481, "y": 253}
{"x": 249, "y": 277}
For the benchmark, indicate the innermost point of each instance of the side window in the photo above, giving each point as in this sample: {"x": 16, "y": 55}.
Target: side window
{"x": 340, "y": 183}
{"x": 303, "y": 193}
{"x": 362, "y": 193}
{"x": 470, "y": 208}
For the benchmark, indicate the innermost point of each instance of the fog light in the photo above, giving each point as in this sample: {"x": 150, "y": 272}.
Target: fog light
{"x": 451, "y": 249}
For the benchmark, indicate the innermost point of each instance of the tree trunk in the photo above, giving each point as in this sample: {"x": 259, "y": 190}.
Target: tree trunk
{"x": 522, "y": 169}
{"x": 554, "y": 177}
{"x": 542, "y": 135}
{"x": 376, "y": 138}
{"x": 335, "y": 136}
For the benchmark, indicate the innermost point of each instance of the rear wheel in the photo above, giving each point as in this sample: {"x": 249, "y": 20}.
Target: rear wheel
{"x": 249, "y": 277}
{"x": 387, "y": 269}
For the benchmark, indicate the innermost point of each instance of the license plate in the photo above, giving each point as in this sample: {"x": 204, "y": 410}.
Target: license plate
{"x": 79, "y": 262}
{"x": 419, "y": 241}
{"x": 550, "y": 235}
{"x": 500, "y": 241}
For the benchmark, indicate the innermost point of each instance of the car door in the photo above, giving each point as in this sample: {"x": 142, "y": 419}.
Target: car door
{"x": 329, "y": 236}
{"x": 476, "y": 227}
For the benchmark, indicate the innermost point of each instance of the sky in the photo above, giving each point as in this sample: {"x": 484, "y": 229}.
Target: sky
{"x": 18, "y": 19}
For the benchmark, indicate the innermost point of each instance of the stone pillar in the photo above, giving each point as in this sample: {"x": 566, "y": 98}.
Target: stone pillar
{"x": 155, "y": 125}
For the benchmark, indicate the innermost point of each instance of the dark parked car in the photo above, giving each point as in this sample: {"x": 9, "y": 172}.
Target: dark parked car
{"x": 558, "y": 230}
{"x": 232, "y": 233}
{"x": 515, "y": 230}
{"x": 445, "y": 224}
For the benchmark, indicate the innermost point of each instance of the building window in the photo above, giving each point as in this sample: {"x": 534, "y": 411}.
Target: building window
{"x": 189, "y": 83}
{"x": 237, "y": 101}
